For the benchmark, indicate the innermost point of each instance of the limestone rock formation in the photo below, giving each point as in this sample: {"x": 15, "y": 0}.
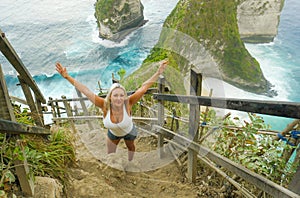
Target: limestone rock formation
{"x": 258, "y": 20}
{"x": 207, "y": 35}
{"x": 117, "y": 18}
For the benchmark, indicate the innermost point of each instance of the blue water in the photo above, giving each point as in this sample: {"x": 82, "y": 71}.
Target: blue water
{"x": 44, "y": 32}
{"x": 280, "y": 60}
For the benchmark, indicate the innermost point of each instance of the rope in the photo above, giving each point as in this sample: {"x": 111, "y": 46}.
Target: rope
{"x": 294, "y": 134}
{"x": 203, "y": 124}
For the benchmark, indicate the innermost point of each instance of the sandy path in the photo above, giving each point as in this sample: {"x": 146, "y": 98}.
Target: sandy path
{"x": 97, "y": 174}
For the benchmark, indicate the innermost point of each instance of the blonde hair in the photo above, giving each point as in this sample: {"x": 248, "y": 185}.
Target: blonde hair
{"x": 113, "y": 87}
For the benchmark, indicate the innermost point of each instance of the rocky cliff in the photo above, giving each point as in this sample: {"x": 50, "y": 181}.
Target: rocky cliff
{"x": 258, "y": 20}
{"x": 117, "y": 18}
{"x": 205, "y": 35}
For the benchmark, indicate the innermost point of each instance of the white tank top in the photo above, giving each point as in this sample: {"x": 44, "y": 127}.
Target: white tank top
{"x": 119, "y": 129}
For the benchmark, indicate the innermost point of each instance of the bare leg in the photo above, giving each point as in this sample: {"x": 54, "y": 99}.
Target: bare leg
{"x": 131, "y": 149}
{"x": 111, "y": 145}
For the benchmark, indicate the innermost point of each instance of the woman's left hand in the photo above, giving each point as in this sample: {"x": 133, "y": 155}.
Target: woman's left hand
{"x": 163, "y": 65}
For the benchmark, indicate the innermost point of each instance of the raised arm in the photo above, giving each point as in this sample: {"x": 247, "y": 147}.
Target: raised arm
{"x": 148, "y": 83}
{"x": 98, "y": 101}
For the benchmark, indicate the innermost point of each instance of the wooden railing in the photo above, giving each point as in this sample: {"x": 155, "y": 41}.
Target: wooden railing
{"x": 11, "y": 127}
{"x": 8, "y": 123}
{"x": 284, "y": 109}
{"x": 191, "y": 144}
{"x": 62, "y": 110}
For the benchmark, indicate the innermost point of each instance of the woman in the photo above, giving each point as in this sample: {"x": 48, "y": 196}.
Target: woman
{"x": 116, "y": 108}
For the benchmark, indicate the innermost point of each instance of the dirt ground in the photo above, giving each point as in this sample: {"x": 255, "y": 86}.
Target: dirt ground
{"x": 97, "y": 174}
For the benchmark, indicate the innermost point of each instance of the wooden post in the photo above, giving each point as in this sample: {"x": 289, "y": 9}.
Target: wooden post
{"x": 114, "y": 80}
{"x": 205, "y": 117}
{"x": 160, "y": 115}
{"x": 40, "y": 110}
{"x": 69, "y": 112}
{"x": 295, "y": 183}
{"x": 25, "y": 179}
{"x": 22, "y": 169}
{"x": 57, "y": 109}
{"x": 100, "y": 89}
{"x": 76, "y": 110}
{"x": 195, "y": 89}
{"x": 30, "y": 102}
{"x": 53, "y": 110}
{"x": 52, "y": 107}
{"x": 84, "y": 109}
{"x": 141, "y": 107}
{"x": 174, "y": 119}
{"x": 6, "y": 109}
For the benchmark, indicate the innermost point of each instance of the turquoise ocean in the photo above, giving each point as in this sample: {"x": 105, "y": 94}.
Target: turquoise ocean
{"x": 44, "y": 32}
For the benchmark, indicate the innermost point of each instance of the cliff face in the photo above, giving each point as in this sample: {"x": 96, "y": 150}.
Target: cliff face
{"x": 204, "y": 34}
{"x": 258, "y": 20}
{"x": 117, "y": 18}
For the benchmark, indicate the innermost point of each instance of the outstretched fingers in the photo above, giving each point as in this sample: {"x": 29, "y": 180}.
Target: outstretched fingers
{"x": 60, "y": 69}
{"x": 163, "y": 65}
{"x": 58, "y": 66}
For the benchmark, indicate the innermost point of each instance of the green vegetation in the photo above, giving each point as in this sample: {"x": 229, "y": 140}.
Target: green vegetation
{"x": 22, "y": 115}
{"x": 121, "y": 73}
{"x": 48, "y": 157}
{"x": 212, "y": 24}
{"x": 103, "y": 9}
{"x": 257, "y": 152}
{"x": 236, "y": 139}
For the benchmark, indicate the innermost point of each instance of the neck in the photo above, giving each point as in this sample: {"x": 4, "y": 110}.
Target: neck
{"x": 116, "y": 108}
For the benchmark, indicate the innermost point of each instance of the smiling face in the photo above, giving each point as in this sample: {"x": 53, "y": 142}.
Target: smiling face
{"x": 117, "y": 97}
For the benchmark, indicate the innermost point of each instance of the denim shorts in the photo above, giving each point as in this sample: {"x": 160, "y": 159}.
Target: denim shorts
{"x": 130, "y": 136}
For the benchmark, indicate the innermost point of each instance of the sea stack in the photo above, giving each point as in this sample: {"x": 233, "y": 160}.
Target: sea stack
{"x": 118, "y": 18}
{"x": 258, "y": 20}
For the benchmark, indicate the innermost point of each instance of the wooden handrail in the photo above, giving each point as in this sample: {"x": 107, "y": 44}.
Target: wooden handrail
{"x": 101, "y": 117}
{"x": 11, "y": 127}
{"x": 276, "y": 108}
{"x": 10, "y": 54}
{"x": 254, "y": 178}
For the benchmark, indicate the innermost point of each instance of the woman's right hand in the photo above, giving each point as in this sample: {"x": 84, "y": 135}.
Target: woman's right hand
{"x": 61, "y": 70}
